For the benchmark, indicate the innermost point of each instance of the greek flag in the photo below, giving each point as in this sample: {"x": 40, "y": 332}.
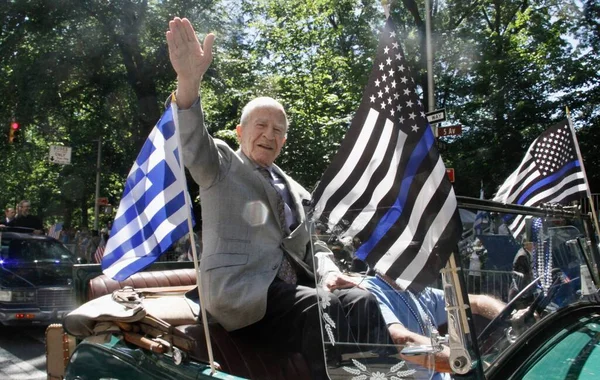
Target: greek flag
{"x": 387, "y": 184}
{"x": 152, "y": 214}
{"x": 549, "y": 173}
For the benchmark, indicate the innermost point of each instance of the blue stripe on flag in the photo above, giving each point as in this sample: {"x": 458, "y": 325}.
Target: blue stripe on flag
{"x": 420, "y": 152}
{"x": 160, "y": 172}
{"x": 557, "y": 175}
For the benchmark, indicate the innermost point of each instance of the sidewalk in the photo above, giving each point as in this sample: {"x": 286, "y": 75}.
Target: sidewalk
{"x": 13, "y": 368}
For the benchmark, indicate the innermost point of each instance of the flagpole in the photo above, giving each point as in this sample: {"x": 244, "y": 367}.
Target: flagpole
{"x": 192, "y": 237}
{"x": 588, "y": 192}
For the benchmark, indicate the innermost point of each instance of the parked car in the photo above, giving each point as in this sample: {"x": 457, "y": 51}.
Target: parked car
{"x": 35, "y": 278}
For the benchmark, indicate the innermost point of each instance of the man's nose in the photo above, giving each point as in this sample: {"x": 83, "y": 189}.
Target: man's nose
{"x": 269, "y": 133}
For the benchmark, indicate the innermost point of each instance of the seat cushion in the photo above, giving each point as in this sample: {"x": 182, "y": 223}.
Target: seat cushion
{"x": 103, "y": 284}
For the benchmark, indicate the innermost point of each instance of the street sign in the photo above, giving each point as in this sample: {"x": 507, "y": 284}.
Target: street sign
{"x": 60, "y": 154}
{"x": 452, "y": 130}
{"x": 450, "y": 173}
{"x": 436, "y": 116}
{"x": 102, "y": 201}
{"x": 442, "y": 146}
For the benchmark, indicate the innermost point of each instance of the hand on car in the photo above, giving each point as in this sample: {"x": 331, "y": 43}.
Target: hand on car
{"x": 337, "y": 280}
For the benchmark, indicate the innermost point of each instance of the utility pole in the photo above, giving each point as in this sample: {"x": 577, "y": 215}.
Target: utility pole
{"x": 430, "y": 94}
{"x": 96, "y": 206}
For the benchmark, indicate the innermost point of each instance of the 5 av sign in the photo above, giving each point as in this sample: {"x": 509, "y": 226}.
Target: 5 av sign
{"x": 453, "y": 130}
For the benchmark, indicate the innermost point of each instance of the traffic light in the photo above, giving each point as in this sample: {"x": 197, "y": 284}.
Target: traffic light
{"x": 12, "y": 133}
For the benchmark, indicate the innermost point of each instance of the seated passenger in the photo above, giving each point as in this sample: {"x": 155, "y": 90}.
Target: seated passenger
{"x": 256, "y": 268}
{"x": 411, "y": 317}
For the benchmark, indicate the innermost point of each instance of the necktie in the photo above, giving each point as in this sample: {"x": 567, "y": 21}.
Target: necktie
{"x": 286, "y": 271}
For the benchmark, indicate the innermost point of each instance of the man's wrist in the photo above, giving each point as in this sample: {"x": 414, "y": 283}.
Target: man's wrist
{"x": 187, "y": 92}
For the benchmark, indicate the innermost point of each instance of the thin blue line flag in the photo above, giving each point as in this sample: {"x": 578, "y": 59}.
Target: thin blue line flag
{"x": 152, "y": 214}
{"x": 387, "y": 184}
{"x": 549, "y": 173}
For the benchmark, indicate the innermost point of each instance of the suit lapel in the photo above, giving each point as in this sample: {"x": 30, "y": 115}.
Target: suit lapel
{"x": 271, "y": 193}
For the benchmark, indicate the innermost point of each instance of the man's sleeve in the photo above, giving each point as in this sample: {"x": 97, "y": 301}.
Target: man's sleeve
{"x": 385, "y": 303}
{"x": 200, "y": 152}
{"x": 439, "y": 306}
{"x": 324, "y": 260}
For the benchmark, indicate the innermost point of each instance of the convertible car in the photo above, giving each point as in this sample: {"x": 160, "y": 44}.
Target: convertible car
{"x": 144, "y": 327}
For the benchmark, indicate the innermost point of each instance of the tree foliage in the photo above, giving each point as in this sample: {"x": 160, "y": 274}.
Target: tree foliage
{"x": 74, "y": 72}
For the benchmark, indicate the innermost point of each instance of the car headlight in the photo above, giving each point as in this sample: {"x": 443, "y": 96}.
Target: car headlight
{"x": 5, "y": 295}
{"x": 17, "y": 296}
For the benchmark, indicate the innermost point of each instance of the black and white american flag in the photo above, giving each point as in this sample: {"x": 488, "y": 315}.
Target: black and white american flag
{"x": 549, "y": 173}
{"x": 387, "y": 184}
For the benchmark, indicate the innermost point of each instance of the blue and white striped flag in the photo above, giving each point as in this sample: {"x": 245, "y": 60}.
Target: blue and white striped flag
{"x": 387, "y": 184}
{"x": 152, "y": 214}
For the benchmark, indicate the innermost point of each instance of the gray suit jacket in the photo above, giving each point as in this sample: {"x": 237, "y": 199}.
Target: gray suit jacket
{"x": 243, "y": 242}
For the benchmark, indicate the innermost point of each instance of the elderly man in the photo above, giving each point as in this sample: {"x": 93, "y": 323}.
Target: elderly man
{"x": 257, "y": 272}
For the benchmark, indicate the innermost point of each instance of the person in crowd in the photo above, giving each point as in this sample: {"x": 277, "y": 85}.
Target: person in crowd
{"x": 523, "y": 274}
{"x": 92, "y": 246}
{"x": 478, "y": 254}
{"x": 9, "y": 215}
{"x": 25, "y": 219}
{"x": 411, "y": 317}
{"x": 256, "y": 267}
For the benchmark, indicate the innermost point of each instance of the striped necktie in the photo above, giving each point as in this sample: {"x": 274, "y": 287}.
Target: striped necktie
{"x": 286, "y": 271}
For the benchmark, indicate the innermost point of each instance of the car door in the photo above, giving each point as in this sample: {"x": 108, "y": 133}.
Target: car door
{"x": 566, "y": 345}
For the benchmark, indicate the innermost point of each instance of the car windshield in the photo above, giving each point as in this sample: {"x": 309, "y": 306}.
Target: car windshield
{"x": 370, "y": 350}
{"x": 535, "y": 273}
{"x": 512, "y": 283}
{"x": 15, "y": 251}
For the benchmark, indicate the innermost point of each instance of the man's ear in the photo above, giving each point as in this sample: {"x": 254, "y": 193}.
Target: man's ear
{"x": 284, "y": 140}
{"x": 238, "y": 131}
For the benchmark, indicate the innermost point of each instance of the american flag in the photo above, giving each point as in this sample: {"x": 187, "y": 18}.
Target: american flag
{"x": 55, "y": 229}
{"x": 549, "y": 173}
{"x": 152, "y": 214}
{"x": 387, "y": 184}
{"x": 100, "y": 251}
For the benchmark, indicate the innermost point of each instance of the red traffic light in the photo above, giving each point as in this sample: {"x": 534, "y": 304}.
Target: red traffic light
{"x": 14, "y": 125}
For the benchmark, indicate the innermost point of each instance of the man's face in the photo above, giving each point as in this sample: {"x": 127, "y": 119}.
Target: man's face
{"x": 10, "y": 213}
{"x": 25, "y": 207}
{"x": 262, "y": 138}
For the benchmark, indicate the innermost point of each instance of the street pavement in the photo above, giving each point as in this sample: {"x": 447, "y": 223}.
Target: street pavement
{"x": 22, "y": 353}
{"x": 14, "y": 368}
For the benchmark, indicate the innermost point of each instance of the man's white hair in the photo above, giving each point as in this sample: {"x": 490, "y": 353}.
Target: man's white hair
{"x": 262, "y": 102}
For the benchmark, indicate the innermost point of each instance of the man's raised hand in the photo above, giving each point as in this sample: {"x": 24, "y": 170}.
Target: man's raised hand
{"x": 189, "y": 59}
